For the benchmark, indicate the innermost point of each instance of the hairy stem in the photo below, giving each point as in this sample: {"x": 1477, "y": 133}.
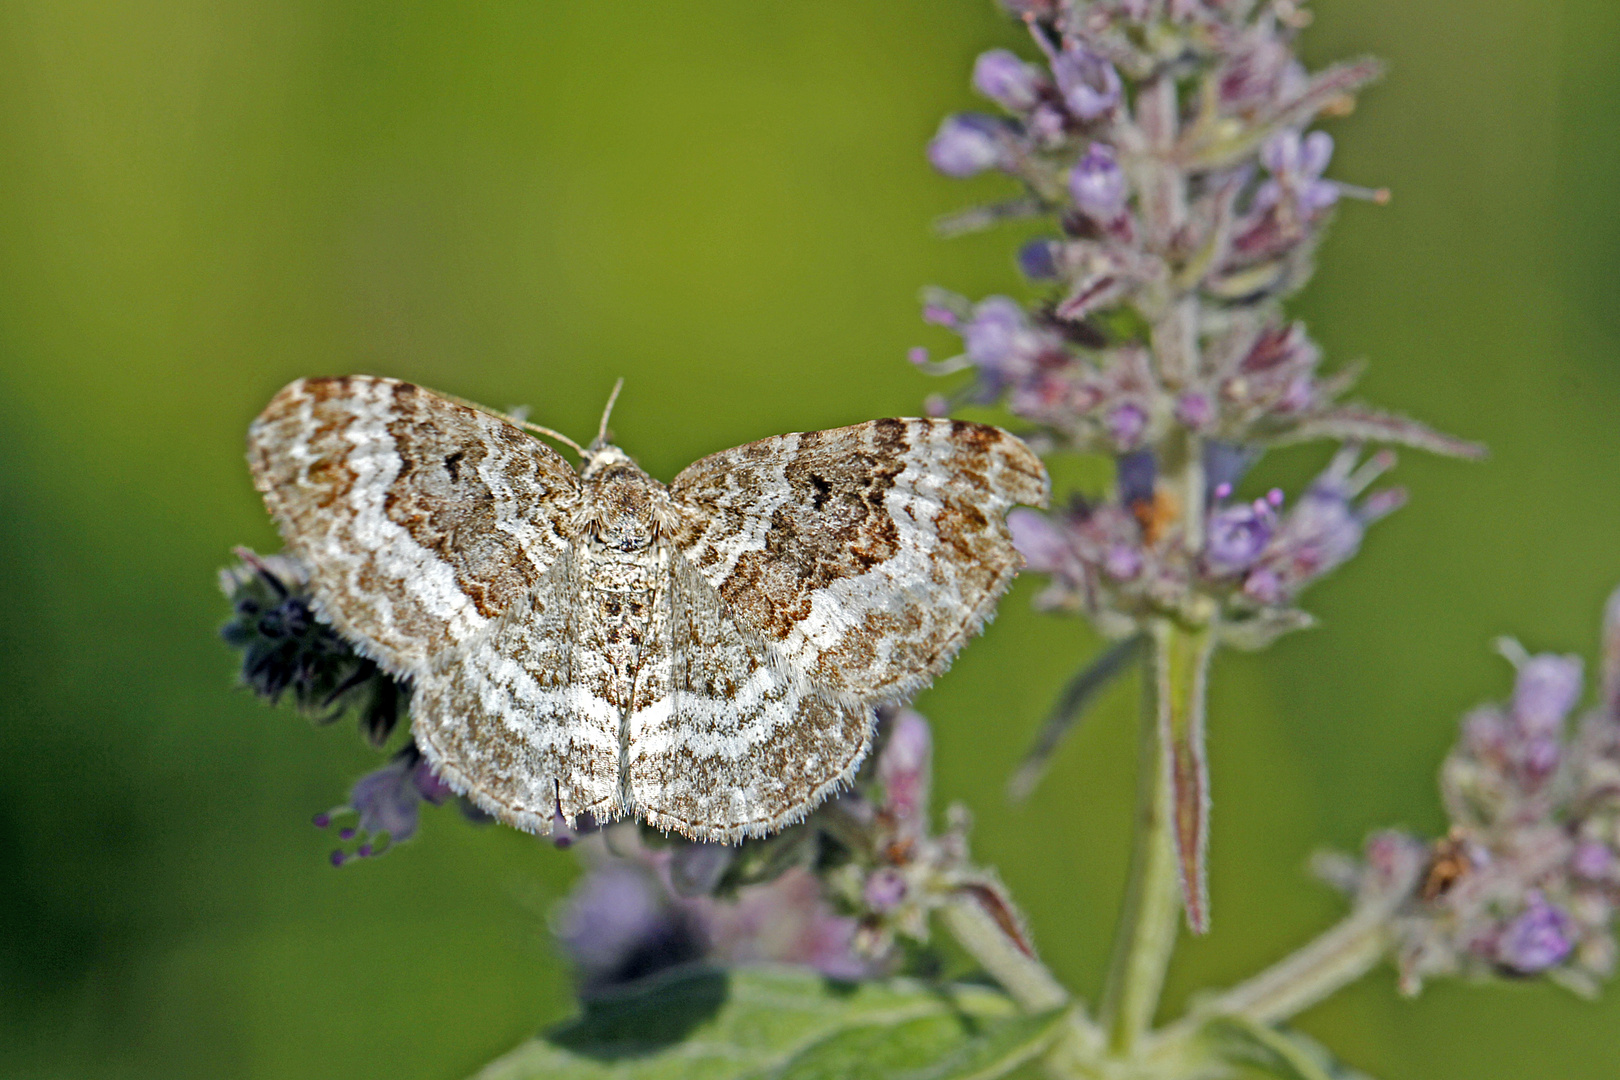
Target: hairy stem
{"x": 1149, "y": 920}
{"x": 1334, "y": 960}
{"x": 1020, "y": 974}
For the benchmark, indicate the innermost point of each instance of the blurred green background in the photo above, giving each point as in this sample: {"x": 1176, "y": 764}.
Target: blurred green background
{"x": 727, "y": 203}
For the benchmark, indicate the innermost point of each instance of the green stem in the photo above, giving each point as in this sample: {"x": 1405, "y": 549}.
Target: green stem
{"x": 1334, "y": 960}
{"x": 1149, "y": 919}
{"x": 1020, "y": 974}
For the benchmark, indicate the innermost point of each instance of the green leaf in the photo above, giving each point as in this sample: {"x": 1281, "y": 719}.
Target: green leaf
{"x": 785, "y": 1024}
{"x": 1288, "y": 1055}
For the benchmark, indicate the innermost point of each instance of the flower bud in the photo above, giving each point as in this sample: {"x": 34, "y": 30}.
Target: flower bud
{"x": 1098, "y": 184}
{"x": 1006, "y": 80}
{"x": 966, "y": 145}
{"x": 1089, "y": 84}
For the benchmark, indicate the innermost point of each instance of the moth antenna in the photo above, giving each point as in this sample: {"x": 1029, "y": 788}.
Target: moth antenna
{"x": 601, "y": 430}
{"x": 518, "y": 421}
{"x": 538, "y": 430}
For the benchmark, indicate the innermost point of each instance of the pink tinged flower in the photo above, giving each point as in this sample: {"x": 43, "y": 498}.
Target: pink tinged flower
{"x": 1546, "y": 689}
{"x": 1122, "y": 562}
{"x": 1539, "y": 938}
{"x": 429, "y": 785}
{"x": 1255, "y": 74}
{"x": 1006, "y": 80}
{"x": 1265, "y": 586}
{"x": 967, "y": 145}
{"x": 1088, "y": 83}
{"x": 1592, "y": 861}
{"x": 903, "y": 771}
{"x": 1098, "y": 185}
{"x": 885, "y": 889}
{"x": 616, "y": 926}
{"x": 1195, "y": 410}
{"x": 1126, "y": 424}
{"x": 1038, "y": 539}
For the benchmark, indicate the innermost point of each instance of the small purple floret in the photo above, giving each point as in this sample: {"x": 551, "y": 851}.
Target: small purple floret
{"x": 1005, "y": 79}
{"x": 1089, "y": 84}
{"x": 1038, "y": 261}
{"x": 1237, "y": 536}
{"x": 885, "y": 889}
{"x": 966, "y": 145}
{"x": 1546, "y": 690}
{"x": 1592, "y": 860}
{"x": 1098, "y": 184}
{"x": 1126, "y": 423}
{"x": 1540, "y": 938}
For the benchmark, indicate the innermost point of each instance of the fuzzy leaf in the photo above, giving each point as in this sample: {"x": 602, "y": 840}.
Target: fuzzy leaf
{"x": 775, "y": 1023}
{"x": 1180, "y": 671}
{"x": 1362, "y": 423}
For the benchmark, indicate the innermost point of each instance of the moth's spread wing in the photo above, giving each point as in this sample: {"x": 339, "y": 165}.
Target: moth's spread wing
{"x": 727, "y": 739}
{"x": 421, "y": 519}
{"x": 868, "y": 554}
{"x": 512, "y": 718}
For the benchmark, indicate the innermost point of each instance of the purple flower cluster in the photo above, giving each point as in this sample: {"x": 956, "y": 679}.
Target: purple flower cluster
{"x": 1527, "y": 882}
{"x": 1127, "y": 559}
{"x": 1193, "y": 203}
{"x": 1168, "y": 142}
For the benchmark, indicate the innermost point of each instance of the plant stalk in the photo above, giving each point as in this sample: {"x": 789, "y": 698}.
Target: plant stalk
{"x": 1149, "y": 919}
{"x": 1020, "y": 974}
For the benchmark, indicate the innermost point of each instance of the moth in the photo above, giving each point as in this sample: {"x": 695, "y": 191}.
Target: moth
{"x": 704, "y": 656}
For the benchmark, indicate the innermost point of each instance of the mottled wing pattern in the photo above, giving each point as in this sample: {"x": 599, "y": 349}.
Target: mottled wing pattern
{"x": 729, "y": 740}
{"x": 518, "y": 717}
{"x": 421, "y": 519}
{"x": 867, "y": 554}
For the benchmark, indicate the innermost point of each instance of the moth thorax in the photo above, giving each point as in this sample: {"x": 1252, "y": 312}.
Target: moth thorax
{"x": 622, "y": 501}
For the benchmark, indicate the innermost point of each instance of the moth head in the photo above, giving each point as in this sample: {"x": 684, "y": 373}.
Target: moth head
{"x": 601, "y": 458}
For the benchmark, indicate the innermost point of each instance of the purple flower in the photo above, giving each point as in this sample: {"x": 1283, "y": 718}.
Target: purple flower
{"x": 1038, "y": 260}
{"x": 1006, "y": 80}
{"x": 903, "y": 772}
{"x": 1324, "y": 528}
{"x": 999, "y": 339}
{"x": 1546, "y": 690}
{"x": 616, "y": 926}
{"x": 1238, "y": 535}
{"x": 1098, "y": 185}
{"x": 1122, "y": 562}
{"x": 1126, "y": 423}
{"x": 1592, "y": 861}
{"x": 1296, "y": 166}
{"x": 885, "y": 889}
{"x": 387, "y": 803}
{"x": 1540, "y": 938}
{"x": 966, "y": 145}
{"x": 1089, "y": 84}
{"x": 1039, "y": 540}
{"x": 1194, "y": 410}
